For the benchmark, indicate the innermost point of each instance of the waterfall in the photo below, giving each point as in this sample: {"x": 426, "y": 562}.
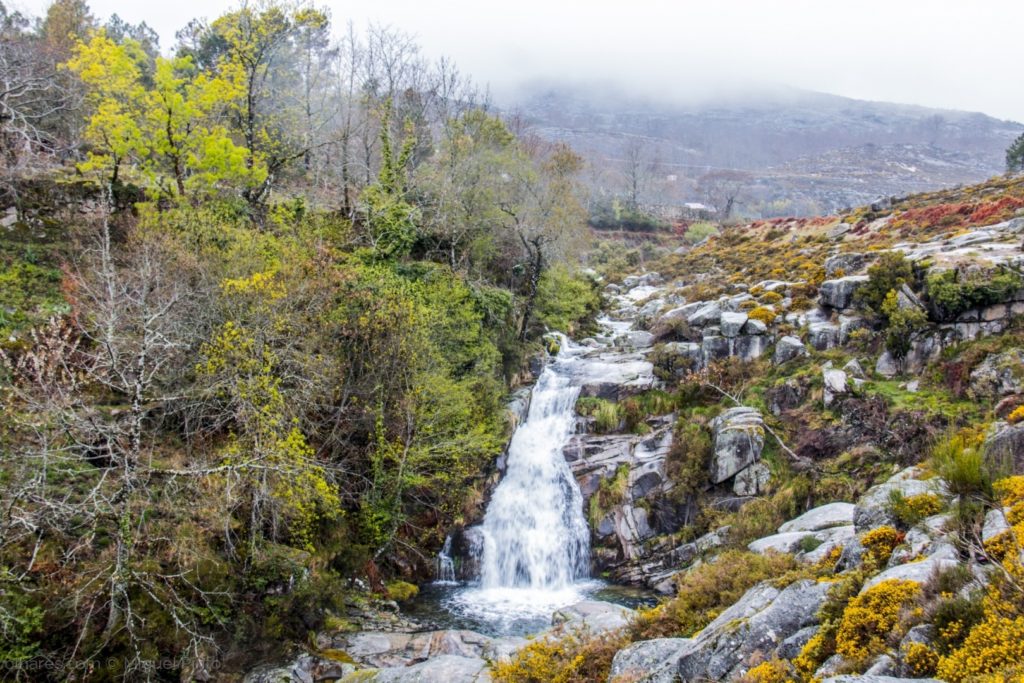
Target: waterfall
{"x": 534, "y": 532}
{"x": 445, "y": 565}
{"x": 534, "y": 540}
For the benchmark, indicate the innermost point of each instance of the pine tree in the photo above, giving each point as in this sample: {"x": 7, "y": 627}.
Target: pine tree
{"x": 1015, "y": 155}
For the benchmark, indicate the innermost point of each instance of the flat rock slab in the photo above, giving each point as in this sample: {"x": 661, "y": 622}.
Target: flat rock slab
{"x": 443, "y": 669}
{"x": 596, "y": 615}
{"x": 821, "y": 517}
{"x": 919, "y": 572}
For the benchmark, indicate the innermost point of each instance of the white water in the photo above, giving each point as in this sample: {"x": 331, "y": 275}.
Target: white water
{"x": 536, "y": 543}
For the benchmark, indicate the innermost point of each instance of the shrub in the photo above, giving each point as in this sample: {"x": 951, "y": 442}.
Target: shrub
{"x": 1016, "y": 416}
{"x": 401, "y": 591}
{"x": 772, "y": 671}
{"x": 889, "y": 272}
{"x": 872, "y": 617}
{"x": 994, "y": 645}
{"x": 574, "y": 657}
{"x": 764, "y": 314}
{"x": 951, "y": 292}
{"x": 771, "y": 298}
{"x": 903, "y": 325}
{"x": 699, "y": 231}
{"x": 880, "y": 542}
{"x": 706, "y": 590}
{"x": 688, "y": 458}
{"x": 920, "y": 660}
{"x": 959, "y": 460}
{"x": 910, "y": 511}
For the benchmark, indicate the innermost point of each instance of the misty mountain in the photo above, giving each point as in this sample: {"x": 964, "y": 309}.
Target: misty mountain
{"x": 805, "y": 152}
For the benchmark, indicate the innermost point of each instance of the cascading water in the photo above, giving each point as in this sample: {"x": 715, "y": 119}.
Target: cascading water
{"x": 445, "y": 564}
{"x": 534, "y": 532}
{"x": 536, "y": 543}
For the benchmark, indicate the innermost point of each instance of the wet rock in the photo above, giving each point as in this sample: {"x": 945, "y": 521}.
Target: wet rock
{"x": 787, "y": 349}
{"x": 738, "y": 440}
{"x": 839, "y": 293}
{"x": 650, "y": 661}
{"x": 442, "y": 669}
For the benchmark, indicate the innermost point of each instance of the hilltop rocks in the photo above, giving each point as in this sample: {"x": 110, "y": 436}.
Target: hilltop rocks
{"x": 787, "y": 349}
{"x": 834, "y": 385}
{"x": 847, "y": 263}
{"x": 738, "y": 440}
{"x": 839, "y": 293}
{"x": 823, "y": 335}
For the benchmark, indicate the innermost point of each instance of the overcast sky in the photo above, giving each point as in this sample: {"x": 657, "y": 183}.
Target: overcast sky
{"x": 959, "y": 55}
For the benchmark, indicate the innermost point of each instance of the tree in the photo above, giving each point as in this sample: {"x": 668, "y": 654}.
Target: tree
{"x": 639, "y": 165}
{"x": 723, "y": 190}
{"x": 171, "y": 130}
{"x": 67, "y": 22}
{"x": 32, "y": 93}
{"x": 546, "y": 217}
{"x": 252, "y": 49}
{"x": 1015, "y": 155}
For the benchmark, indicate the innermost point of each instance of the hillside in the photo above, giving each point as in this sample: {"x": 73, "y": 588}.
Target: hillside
{"x": 806, "y": 152}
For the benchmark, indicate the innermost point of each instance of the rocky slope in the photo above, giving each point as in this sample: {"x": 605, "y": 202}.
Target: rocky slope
{"x": 753, "y": 399}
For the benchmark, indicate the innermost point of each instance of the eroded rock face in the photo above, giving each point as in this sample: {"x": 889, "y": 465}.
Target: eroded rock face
{"x": 839, "y": 293}
{"x": 787, "y": 349}
{"x": 1004, "y": 446}
{"x": 873, "y": 508}
{"x": 650, "y": 661}
{"x": 999, "y": 375}
{"x": 750, "y": 630}
{"x": 738, "y": 441}
{"x": 440, "y": 669}
{"x": 594, "y": 615}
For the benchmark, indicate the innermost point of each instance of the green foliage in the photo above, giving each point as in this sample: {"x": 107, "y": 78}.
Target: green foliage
{"x": 31, "y": 293}
{"x": 567, "y": 301}
{"x": 1015, "y": 155}
{"x": 910, "y": 511}
{"x": 698, "y": 232}
{"x": 904, "y": 324}
{"x": 951, "y": 292}
{"x": 888, "y": 273}
{"x": 706, "y": 590}
{"x": 958, "y": 458}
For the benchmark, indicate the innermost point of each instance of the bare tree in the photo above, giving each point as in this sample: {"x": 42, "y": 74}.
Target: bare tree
{"x": 723, "y": 190}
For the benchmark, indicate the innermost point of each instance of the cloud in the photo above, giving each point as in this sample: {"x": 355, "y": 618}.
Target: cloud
{"x": 940, "y": 53}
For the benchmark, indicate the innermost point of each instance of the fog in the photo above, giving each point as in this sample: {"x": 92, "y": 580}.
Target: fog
{"x": 937, "y": 53}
